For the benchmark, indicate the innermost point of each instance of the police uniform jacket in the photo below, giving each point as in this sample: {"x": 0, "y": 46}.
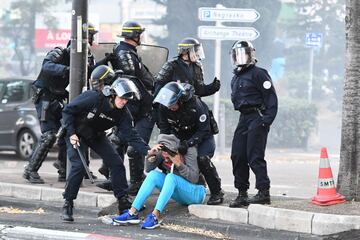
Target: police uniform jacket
{"x": 90, "y": 114}
{"x": 178, "y": 69}
{"x": 252, "y": 90}
{"x": 54, "y": 77}
{"x": 130, "y": 63}
{"x": 190, "y": 122}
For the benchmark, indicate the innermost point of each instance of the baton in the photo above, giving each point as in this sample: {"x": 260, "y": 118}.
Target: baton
{"x": 84, "y": 163}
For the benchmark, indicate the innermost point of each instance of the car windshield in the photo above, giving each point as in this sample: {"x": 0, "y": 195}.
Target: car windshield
{"x": 14, "y": 91}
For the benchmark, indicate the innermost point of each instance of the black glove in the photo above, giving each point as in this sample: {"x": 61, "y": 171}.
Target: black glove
{"x": 56, "y": 55}
{"x": 109, "y": 57}
{"x": 183, "y": 148}
{"x": 114, "y": 139}
{"x": 216, "y": 84}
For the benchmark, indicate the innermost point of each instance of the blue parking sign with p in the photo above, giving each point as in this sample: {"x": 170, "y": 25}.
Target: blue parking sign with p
{"x": 313, "y": 39}
{"x": 206, "y": 14}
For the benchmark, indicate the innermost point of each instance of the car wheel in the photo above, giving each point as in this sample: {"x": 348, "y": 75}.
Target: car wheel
{"x": 26, "y": 143}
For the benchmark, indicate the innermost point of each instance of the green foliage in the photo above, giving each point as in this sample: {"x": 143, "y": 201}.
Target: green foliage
{"x": 294, "y": 123}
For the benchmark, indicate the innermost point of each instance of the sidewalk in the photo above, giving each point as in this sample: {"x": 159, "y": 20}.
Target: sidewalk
{"x": 284, "y": 214}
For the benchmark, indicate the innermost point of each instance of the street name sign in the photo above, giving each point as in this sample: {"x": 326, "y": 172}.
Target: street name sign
{"x": 228, "y": 14}
{"x": 227, "y": 33}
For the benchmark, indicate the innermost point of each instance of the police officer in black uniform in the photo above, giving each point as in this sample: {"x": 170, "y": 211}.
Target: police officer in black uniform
{"x": 253, "y": 94}
{"x": 187, "y": 68}
{"x": 49, "y": 98}
{"x": 85, "y": 120}
{"x": 184, "y": 114}
{"x": 126, "y": 59}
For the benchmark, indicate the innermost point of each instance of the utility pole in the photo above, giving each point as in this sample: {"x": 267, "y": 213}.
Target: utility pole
{"x": 78, "y": 52}
{"x": 79, "y": 46}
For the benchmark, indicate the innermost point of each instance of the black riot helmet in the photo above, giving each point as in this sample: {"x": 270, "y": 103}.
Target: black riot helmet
{"x": 171, "y": 93}
{"x": 193, "y": 48}
{"x": 122, "y": 87}
{"x": 132, "y": 30}
{"x": 101, "y": 76}
{"x": 91, "y": 32}
{"x": 242, "y": 53}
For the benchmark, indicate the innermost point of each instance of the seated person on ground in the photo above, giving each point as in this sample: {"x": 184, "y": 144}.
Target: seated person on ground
{"x": 178, "y": 180}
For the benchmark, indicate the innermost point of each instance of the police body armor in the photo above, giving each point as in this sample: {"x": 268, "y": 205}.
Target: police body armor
{"x": 55, "y": 86}
{"x": 172, "y": 71}
{"x": 143, "y": 80}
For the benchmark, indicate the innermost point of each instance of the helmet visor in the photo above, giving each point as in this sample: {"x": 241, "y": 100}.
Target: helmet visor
{"x": 239, "y": 56}
{"x": 166, "y": 97}
{"x": 196, "y": 53}
{"x": 125, "y": 89}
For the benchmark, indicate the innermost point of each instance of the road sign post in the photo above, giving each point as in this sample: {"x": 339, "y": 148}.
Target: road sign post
{"x": 218, "y": 33}
{"x": 312, "y": 40}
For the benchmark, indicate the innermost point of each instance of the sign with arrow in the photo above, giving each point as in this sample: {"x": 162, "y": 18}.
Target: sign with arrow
{"x": 228, "y": 14}
{"x": 227, "y": 33}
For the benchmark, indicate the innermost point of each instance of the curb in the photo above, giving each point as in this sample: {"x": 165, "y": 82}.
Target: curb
{"x": 280, "y": 219}
{"x": 84, "y": 199}
{"x": 39, "y": 233}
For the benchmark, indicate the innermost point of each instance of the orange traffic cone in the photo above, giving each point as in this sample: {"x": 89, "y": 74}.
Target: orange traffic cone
{"x": 326, "y": 192}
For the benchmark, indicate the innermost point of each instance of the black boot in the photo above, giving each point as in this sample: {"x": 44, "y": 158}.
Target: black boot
{"x": 61, "y": 176}
{"x": 67, "y": 214}
{"x": 32, "y": 177}
{"x": 262, "y": 197}
{"x": 216, "y": 198}
{"x": 240, "y": 201}
{"x": 124, "y": 203}
{"x": 105, "y": 185}
{"x": 92, "y": 174}
{"x": 134, "y": 187}
{"x": 104, "y": 170}
{"x": 46, "y": 142}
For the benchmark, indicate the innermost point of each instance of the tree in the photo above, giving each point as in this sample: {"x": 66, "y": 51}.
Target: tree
{"x": 349, "y": 170}
{"x": 19, "y": 27}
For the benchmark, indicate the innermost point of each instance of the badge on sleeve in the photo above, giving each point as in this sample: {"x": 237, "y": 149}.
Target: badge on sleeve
{"x": 267, "y": 84}
{"x": 202, "y": 118}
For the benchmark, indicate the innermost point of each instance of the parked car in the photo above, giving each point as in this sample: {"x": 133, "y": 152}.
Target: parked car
{"x": 19, "y": 125}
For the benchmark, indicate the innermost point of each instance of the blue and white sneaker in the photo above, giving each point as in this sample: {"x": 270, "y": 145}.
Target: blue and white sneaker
{"x": 127, "y": 217}
{"x": 150, "y": 222}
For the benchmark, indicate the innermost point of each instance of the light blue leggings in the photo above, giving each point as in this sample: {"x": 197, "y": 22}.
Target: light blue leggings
{"x": 170, "y": 186}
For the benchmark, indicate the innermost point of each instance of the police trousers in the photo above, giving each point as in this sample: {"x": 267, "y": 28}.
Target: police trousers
{"x": 103, "y": 147}
{"x": 248, "y": 151}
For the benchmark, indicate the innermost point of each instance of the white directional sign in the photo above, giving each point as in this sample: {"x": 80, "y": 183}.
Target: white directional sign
{"x": 228, "y": 14}
{"x": 227, "y": 33}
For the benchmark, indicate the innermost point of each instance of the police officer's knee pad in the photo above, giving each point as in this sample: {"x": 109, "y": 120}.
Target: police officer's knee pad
{"x": 132, "y": 153}
{"x": 48, "y": 138}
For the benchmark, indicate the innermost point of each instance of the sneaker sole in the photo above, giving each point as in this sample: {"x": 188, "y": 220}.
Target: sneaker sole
{"x": 153, "y": 227}
{"x": 137, "y": 221}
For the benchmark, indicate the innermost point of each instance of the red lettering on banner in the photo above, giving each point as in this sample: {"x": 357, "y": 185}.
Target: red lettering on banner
{"x": 45, "y": 38}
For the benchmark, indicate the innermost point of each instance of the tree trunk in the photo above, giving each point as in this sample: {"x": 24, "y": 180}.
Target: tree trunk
{"x": 349, "y": 170}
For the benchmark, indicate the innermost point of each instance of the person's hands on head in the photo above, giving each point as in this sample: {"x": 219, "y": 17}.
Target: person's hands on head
{"x": 151, "y": 155}
{"x": 74, "y": 140}
{"x": 183, "y": 147}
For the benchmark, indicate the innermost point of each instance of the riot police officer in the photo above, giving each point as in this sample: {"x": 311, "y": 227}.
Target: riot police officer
{"x": 187, "y": 68}
{"x": 184, "y": 114}
{"x": 253, "y": 94}
{"x": 85, "y": 120}
{"x": 127, "y": 60}
{"x": 49, "y": 97}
